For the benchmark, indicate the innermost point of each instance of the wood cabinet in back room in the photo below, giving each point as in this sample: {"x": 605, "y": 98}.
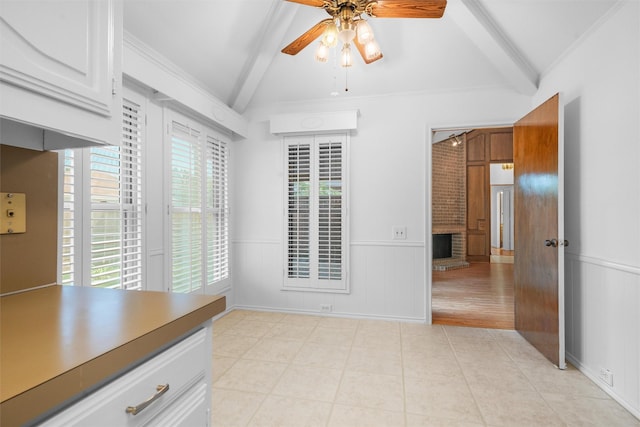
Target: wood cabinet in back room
{"x": 484, "y": 146}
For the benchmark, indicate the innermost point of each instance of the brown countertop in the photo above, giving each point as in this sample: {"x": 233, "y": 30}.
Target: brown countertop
{"x": 59, "y": 341}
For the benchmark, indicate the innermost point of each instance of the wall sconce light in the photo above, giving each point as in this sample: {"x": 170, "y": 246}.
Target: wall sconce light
{"x": 507, "y": 166}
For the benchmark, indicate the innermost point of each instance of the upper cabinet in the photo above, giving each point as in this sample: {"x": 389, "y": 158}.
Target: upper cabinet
{"x": 61, "y": 69}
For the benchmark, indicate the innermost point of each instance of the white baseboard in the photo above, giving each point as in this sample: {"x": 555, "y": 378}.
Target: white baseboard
{"x": 332, "y": 314}
{"x": 593, "y": 376}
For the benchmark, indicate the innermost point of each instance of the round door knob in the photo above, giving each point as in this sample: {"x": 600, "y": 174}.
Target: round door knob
{"x": 553, "y": 243}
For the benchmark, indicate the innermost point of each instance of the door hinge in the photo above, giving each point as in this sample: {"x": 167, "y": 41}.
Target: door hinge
{"x": 113, "y": 86}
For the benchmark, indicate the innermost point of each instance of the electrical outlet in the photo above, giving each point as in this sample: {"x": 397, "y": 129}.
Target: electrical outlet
{"x": 326, "y": 308}
{"x": 399, "y": 233}
{"x": 606, "y": 376}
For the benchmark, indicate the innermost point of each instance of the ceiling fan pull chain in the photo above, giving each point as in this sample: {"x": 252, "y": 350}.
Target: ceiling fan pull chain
{"x": 346, "y": 79}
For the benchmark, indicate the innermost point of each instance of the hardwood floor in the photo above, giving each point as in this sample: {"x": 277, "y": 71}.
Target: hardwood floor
{"x": 479, "y": 296}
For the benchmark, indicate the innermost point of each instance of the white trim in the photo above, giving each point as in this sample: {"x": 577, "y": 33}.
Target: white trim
{"x": 255, "y": 242}
{"x": 155, "y": 252}
{"x": 142, "y": 64}
{"x": 314, "y": 123}
{"x": 202, "y": 137}
{"x": 374, "y": 243}
{"x": 428, "y": 226}
{"x": 275, "y": 25}
{"x": 341, "y": 315}
{"x": 561, "y": 252}
{"x": 388, "y": 243}
{"x": 604, "y": 263}
{"x": 601, "y": 384}
{"x": 309, "y": 278}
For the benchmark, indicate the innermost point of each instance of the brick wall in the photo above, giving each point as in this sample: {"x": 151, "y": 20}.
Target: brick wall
{"x": 448, "y": 184}
{"x": 449, "y": 196}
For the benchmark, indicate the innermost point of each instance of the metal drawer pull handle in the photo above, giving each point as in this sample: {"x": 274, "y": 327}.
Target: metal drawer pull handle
{"x": 135, "y": 410}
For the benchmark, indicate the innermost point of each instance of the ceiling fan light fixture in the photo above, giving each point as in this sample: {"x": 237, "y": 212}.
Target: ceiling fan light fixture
{"x": 347, "y": 31}
{"x": 322, "y": 52}
{"x": 330, "y": 35}
{"x": 372, "y": 49}
{"x": 364, "y": 31}
{"x": 345, "y": 56}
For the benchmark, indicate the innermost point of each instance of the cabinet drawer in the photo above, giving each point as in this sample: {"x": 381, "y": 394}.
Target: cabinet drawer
{"x": 182, "y": 367}
{"x": 189, "y": 410}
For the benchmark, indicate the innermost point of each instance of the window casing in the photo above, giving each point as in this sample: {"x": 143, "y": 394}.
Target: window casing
{"x": 316, "y": 228}
{"x": 199, "y": 224}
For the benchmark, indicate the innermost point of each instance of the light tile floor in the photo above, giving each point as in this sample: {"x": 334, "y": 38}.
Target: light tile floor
{"x": 274, "y": 369}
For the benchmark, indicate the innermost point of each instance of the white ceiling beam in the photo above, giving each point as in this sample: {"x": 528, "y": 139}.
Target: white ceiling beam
{"x": 276, "y": 24}
{"x": 482, "y": 30}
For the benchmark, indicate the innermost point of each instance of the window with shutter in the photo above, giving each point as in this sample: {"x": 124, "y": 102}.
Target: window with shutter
{"x": 113, "y": 195}
{"x": 186, "y": 215}
{"x": 106, "y": 221}
{"x": 316, "y": 220}
{"x": 131, "y": 196}
{"x": 199, "y": 206}
{"x": 217, "y": 210}
{"x": 68, "y": 251}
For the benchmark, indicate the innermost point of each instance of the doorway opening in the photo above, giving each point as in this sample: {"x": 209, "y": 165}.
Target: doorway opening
{"x": 472, "y": 201}
{"x": 502, "y": 213}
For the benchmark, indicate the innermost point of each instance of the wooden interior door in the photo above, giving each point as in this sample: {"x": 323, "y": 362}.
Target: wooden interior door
{"x": 539, "y": 229}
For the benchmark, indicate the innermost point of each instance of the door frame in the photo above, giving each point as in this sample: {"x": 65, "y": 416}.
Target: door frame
{"x": 428, "y": 224}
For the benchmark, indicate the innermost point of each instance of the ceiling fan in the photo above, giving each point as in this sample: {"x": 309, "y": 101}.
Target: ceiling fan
{"x": 347, "y": 25}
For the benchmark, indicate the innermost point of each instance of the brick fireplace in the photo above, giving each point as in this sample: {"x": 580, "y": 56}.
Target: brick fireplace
{"x": 448, "y": 191}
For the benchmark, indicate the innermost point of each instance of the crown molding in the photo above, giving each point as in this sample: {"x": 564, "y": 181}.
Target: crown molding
{"x": 143, "y": 64}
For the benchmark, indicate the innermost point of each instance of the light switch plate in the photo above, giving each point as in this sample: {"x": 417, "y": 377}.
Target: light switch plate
{"x": 13, "y": 213}
{"x": 399, "y": 232}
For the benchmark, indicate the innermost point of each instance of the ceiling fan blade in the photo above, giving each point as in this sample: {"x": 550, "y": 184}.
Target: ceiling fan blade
{"x": 408, "y": 8}
{"x": 314, "y": 3}
{"x": 363, "y": 52}
{"x": 303, "y": 41}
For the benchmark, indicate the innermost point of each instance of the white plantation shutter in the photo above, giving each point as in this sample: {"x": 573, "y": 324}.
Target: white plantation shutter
{"x": 111, "y": 198}
{"x": 298, "y": 211}
{"x": 316, "y": 228}
{"x": 217, "y": 210}
{"x": 199, "y": 206}
{"x": 186, "y": 202}
{"x": 105, "y": 221}
{"x": 330, "y": 213}
{"x": 68, "y": 250}
{"x": 132, "y": 203}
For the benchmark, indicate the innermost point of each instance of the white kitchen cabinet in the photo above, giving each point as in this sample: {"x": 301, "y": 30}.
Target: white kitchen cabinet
{"x": 61, "y": 69}
{"x": 184, "y": 369}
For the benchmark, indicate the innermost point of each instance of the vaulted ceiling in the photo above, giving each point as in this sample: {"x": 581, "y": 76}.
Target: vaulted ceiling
{"x": 232, "y": 47}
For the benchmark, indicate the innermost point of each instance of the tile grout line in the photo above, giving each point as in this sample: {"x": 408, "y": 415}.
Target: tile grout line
{"x": 466, "y": 381}
{"x": 344, "y": 368}
{"x": 277, "y": 381}
{"x": 404, "y": 383}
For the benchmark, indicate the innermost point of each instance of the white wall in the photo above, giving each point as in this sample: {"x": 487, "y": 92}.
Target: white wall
{"x": 600, "y": 81}
{"x": 499, "y": 176}
{"x": 388, "y": 186}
